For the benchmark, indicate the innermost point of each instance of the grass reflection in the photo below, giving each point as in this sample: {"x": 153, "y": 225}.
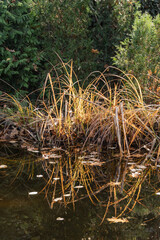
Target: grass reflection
{"x": 111, "y": 182}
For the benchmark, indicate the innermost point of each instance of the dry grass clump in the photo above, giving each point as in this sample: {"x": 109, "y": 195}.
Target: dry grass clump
{"x": 104, "y": 113}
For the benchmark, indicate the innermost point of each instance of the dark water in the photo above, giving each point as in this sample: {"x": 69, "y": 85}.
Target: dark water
{"x": 30, "y": 217}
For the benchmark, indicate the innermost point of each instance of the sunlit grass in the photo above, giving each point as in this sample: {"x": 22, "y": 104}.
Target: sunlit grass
{"x": 111, "y": 110}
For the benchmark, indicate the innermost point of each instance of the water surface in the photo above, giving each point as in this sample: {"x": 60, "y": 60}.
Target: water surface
{"x": 24, "y": 216}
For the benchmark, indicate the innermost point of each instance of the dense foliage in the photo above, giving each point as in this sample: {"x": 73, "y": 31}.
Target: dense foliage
{"x": 140, "y": 54}
{"x": 65, "y": 31}
{"x": 151, "y": 6}
{"x": 19, "y": 54}
{"x": 112, "y": 22}
{"x": 33, "y": 33}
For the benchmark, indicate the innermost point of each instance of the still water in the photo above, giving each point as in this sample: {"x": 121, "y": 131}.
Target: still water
{"x": 30, "y": 217}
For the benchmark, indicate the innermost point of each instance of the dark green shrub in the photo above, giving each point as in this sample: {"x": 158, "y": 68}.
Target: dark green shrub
{"x": 85, "y": 31}
{"x": 140, "y": 54}
{"x": 112, "y": 22}
{"x": 19, "y": 53}
{"x": 150, "y": 6}
{"x": 64, "y": 30}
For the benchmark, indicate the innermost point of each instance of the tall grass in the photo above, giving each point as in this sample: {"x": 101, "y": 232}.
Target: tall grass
{"x": 106, "y": 112}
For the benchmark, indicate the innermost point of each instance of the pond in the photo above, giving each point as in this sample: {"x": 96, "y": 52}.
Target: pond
{"x": 55, "y": 198}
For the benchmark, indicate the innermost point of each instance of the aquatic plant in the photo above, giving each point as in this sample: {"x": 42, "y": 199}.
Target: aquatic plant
{"x": 110, "y": 111}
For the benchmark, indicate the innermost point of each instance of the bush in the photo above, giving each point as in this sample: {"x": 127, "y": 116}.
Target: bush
{"x": 150, "y": 6}
{"x": 85, "y": 31}
{"x": 112, "y": 22}
{"x": 64, "y": 30}
{"x": 18, "y": 46}
{"x": 140, "y": 54}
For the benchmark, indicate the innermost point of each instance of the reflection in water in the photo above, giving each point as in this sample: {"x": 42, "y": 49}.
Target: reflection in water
{"x": 64, "y": 181}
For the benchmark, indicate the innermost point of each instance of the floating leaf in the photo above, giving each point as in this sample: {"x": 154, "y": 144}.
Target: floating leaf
{"x": 57, "y": 199}
{"x": 93, "y": 163}
{"x": 39, "y": 176}
{"x": 158, "y": 193}
{"x": 33, "y": 193}
{"x": 48, "y": 156}
{"x": 59, "y": 219}
{"x": 3, "y": 166}
{"x": 135, "y": 174}
{"x": 77, "y": 187}
{"x": 67, "y": 195}
{"x": 12, "y": 141}
{"x": 56, "y": 178}
{"x": 118, "y": 220}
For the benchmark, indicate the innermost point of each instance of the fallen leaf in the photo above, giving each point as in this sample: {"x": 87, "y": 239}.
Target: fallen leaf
{"x": 158, "y": 193}
{"x": 57, "y": 199}
{"x": 56, "y": 178}
{"x": 39, "y": 176}
{"x": 134, "y": 174}
{"x": 3, "y": 166}
{"x": 117, "y": 220}
{"x": 77, "y": 187}
{"x": 59, "y": 219}
{"x": 32, "y": 193}
{"x": 67, "y": 195}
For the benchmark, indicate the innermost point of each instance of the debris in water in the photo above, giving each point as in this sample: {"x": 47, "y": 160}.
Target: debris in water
{"x": 3, "y": 166}
{"x": 56, "y": 178}
{"x": 135, "y": 174}
{"x": 94, "y": 162}
{"x": 39, "y": 176}
{"x": 117, "y": 220}
{"x": 67, "y": 195}
{"x": 158, "y": 193}
{"x": 143, "y": 224}
{"x": 11, "y": 141}
{"x": 57, "y": 199}
{"x": 59, "y": 219}
{"x": 33, "y": 193}
{"x": 77, "y": 187}
{"x": 49, "y": 156}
